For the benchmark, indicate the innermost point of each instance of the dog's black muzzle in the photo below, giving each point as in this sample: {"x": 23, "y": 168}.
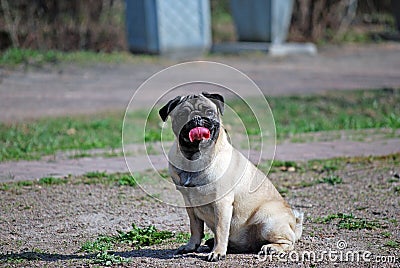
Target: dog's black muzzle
{"x": 198, "y": 121}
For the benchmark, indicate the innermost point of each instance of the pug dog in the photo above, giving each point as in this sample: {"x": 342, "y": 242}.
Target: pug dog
{"x": 222, "y": 188}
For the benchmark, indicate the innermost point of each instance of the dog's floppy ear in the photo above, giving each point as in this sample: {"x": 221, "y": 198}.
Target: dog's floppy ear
{"x": 217, "y": 99}
{"x": 167, "y": 109}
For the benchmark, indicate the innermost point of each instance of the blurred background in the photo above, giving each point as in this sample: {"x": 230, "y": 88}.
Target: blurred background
{"x": 99, "y": 25}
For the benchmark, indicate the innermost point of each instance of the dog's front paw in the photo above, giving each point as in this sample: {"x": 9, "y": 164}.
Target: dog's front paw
{"x": 186, "y": 249}
{"x": 216, "y": 256}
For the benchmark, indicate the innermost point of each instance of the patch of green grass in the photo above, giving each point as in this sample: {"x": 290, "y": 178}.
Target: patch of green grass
{"x": 136, "y": 237}
{"x": 95, "y": 174}
{"x": 23, "y": 183}
{"x": 96, "y": 177}
{"x": 392, "y": 244}
{"x": 15, "y": 185}
{"x": 122, "y": 179}
{"x": 4, "y": 187}
{"x": 182, "y": 237}
{"x": 386, "y": 234}
{"x": 127, "y": 180}
{"x": 207, "y": 236}
{"x": 139, "y": 237}
{"x": 102, "y": 243}
{"x": 46, "y": 136}
{"x": 108, "y": 259}
{"x": 338, "y": 110}
{"x": 397, "y": 189}
{"x": 332, "y": 180}
{"x": 394, "y": 221}
{"x": 333, "y": 164}
{"x": 278, "y": 165}
{"x": 349, "y": 222}
{"x": 17, "y": 56}
{"x": 151, "y": 127}
{"x": 51, "y": 181}
{"x": 326, "y": 165}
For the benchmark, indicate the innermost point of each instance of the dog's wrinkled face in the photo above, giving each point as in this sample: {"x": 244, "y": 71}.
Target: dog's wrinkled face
{"x": 195, "y": 120}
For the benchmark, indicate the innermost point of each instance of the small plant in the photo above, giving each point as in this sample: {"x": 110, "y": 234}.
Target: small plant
{"x": 95, "y": 174}
{"x": 102, "y": 243}
{"x": 394, "y": 221}
{"x": 108, "y": 259}
{"x": 393, "y": 121}
{"x": 329, "y": 167}
{"x": 386, "y": 234}
{"x": 278, "y": 165}
{"x": 23, "y": 183}
{"x": 4, "y": 187}
{"x": 128, "y": 180}
{"x": 152, "y": 135}
{"x": 207, "y": 236}
{"x": 139, "y": 237}
{"x": 397, "y": 189}
{"x": 101, "y": 246}
{"x": 392, "y": 244}
{"x": 324, "y": 166}
{"x": 349, "y": 222}
{"x": 332, "y": 180}
{"x": 15, "y": 185}
{"x": 136, "y": 237}
{"x": 51, "y": 181}
{"x": 122, "y": 179}
{"x": 182, "y": 237}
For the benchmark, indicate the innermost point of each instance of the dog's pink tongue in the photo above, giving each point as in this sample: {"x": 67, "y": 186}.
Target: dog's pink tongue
{"x": 199, "y": 133}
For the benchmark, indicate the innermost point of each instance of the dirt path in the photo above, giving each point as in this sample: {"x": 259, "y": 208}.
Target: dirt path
{"x": 47, "y": 225}
{"x": 64, "y": 90}
{"x": 31, "y": 170}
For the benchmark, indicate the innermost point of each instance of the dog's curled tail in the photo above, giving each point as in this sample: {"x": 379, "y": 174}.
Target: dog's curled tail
{"x": 299, "y": 223}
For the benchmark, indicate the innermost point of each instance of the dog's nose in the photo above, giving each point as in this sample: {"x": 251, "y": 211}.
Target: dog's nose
{"x": 197, "y": 119}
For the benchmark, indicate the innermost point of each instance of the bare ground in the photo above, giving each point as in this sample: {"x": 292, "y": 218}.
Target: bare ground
{"x": 47, "y": 225}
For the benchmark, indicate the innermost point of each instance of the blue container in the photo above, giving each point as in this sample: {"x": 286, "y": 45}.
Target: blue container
{"x": 262, "y": 20}
{"x": 172, "y": 26}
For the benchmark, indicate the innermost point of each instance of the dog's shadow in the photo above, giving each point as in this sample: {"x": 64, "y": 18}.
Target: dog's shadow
{"x": 161, "y": 253}
{"x": 136, "y": 253}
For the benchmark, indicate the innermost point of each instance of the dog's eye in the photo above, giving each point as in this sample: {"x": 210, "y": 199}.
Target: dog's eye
{"x": 209, "y": 112}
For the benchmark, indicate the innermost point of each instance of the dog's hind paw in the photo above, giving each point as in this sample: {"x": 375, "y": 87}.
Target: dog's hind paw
{"x": 214, "y": 256}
